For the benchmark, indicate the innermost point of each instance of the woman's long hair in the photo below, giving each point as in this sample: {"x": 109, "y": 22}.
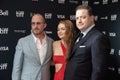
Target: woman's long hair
{"x": 69, "y": 35}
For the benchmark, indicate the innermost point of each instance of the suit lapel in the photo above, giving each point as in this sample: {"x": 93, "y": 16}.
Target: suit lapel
{"x": 87, "y": 36}
{"x": 33, "y": 48}
{"x": 82, "y": 41}
{"x": 48, "y": 45}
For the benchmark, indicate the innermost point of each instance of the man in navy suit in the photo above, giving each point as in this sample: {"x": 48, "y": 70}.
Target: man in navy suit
{"x": 88, "y": 57}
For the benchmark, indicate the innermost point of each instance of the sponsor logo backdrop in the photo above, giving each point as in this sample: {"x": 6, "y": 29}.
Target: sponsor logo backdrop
{"x": 15, "y": 19}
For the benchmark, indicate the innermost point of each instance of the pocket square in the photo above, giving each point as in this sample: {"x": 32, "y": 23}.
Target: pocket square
{"x": 82, "y": 46}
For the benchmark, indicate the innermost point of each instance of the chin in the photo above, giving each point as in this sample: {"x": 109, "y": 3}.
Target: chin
{"x": 36, "y": 33}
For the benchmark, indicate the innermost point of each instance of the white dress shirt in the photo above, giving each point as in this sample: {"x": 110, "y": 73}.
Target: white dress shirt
{"x": 87, "y": 30}
{"x": 41, "y": 47}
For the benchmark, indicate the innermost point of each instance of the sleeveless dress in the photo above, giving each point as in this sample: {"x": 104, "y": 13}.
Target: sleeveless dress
{"x": 60, "y": 59}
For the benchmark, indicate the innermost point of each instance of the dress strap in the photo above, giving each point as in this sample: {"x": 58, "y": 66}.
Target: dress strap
{"x": 63, "y": 48}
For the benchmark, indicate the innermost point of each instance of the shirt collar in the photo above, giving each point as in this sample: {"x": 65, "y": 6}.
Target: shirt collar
{"x": 87, "y": 30}
{"x": 35, "y": 38}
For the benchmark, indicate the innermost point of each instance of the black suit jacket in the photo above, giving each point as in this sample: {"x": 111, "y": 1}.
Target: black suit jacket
{"x": 88, "y": 58}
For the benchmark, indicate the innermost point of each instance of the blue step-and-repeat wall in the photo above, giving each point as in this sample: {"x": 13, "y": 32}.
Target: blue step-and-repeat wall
{"x": 15, "y": 17}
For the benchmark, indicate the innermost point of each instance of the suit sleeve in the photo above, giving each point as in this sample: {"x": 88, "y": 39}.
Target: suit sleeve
{"x": 100, "y": 50}
{"x": 17, "y": 63}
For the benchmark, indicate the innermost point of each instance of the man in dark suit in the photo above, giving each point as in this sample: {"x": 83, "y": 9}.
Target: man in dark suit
{"x": 88, "y": 57}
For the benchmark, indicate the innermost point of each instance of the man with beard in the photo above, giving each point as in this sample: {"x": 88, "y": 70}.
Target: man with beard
{"x": 33, "y": 53}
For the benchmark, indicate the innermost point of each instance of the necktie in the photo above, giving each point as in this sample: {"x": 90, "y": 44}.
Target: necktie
{"x": 79, "y": 37}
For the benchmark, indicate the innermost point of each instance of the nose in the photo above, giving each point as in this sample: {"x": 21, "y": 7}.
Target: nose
{"x": 79, "y": 20}
{"x": 59, "y": 31}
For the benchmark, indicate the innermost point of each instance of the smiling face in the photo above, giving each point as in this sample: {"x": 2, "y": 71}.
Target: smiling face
{"x": 83, "y": 19}
{"x": 61, "y": 31}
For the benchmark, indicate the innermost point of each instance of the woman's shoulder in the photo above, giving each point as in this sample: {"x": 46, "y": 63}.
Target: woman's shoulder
{"x": 55, "y": 43}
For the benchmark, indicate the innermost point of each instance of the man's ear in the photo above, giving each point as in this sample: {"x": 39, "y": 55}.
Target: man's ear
{"x": 93, "y": 18}
{"x": 45, "y": 25}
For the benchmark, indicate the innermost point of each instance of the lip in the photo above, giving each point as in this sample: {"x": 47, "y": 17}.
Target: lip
{"x": 80, "y": 24}
{"x": 60, "y": 34}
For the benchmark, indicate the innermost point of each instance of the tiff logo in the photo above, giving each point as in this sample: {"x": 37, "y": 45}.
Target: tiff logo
{"x": 72, "y": 17}
{"x": 113, "y": 17}
{"x": 4, "y": 13}
{"x": 4, "y": 48}
{"x": 112, "y": 51}
{"x": 3, "y": 30}
{"x": 19, "y": 13}
{"x": 85, "y": 2}
{"x": 105, "y": 1}
{"x": 3, "y": 66}
{"x": 48, "y": 15}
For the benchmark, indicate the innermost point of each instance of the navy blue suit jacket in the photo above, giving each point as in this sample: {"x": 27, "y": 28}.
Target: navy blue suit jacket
{"x": 88, "y": 58}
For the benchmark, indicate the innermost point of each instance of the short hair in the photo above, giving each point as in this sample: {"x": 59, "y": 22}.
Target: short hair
{"x": 90, "y": 10}
{"x": 40, "y": 15}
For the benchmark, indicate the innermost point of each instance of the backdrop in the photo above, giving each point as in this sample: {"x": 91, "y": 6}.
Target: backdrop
{"x": 15, "y": 16}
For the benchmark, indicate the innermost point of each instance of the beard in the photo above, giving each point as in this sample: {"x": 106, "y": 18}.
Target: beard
{"x": 37, "y": 32}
